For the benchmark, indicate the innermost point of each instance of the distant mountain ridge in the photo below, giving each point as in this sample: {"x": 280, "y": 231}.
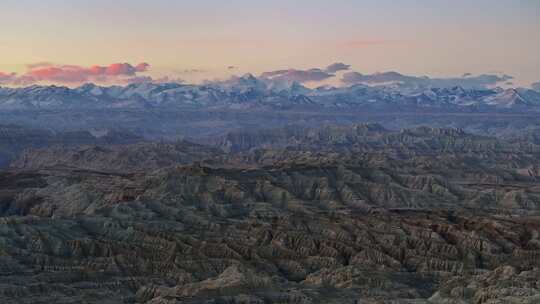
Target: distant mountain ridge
{"x": 248, "y": 92}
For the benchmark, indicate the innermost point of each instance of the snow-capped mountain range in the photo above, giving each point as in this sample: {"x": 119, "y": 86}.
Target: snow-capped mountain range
{"x": 251, "y": 92}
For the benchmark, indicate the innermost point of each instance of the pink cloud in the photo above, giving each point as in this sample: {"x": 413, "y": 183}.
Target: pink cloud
{"x": 222, "y": 43}
{"x": 139, "y": 79}
{"x": 65, "y": 74}
{"x": 117, "y": 69}
{"x": 69, "y": 74}
{"x": 301, "y": 76}
{"x": 6, "y": 78}
{"x": 148, "y": 79}
{"x": 39, "y": 65}
{"x": 365, "y": 43}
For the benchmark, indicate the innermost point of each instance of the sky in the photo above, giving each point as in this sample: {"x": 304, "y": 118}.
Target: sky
{"x": 209, "y": 39}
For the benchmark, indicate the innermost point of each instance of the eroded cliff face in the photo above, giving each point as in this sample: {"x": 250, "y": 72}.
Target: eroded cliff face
{"x": 282, "y": 234}
{"x": 16, "y": 139}
{"x": 417, "y": 216}
{"x": 116, "y": 158}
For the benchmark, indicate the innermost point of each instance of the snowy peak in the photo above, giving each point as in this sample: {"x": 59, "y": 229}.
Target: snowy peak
{"x": 249, "y": 91}
{"x": 509, "y": 98}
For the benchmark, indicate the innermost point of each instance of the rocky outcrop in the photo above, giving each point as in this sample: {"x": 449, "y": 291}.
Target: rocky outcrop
{"x": 294, "y": 234}
{"x": 15, "y": 139}
{"x": 123, "y": 158}
{"x": 437, "y": 216}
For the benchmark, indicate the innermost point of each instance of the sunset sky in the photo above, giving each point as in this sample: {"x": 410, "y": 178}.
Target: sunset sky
{"x": 196, "y": 40}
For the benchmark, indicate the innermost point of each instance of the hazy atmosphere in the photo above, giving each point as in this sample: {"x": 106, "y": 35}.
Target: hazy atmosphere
{"x": 261, "y": 152}
{"x": 194, "y": 41}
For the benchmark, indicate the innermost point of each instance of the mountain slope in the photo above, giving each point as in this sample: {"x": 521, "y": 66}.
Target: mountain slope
{"x": 249, "y": 91}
